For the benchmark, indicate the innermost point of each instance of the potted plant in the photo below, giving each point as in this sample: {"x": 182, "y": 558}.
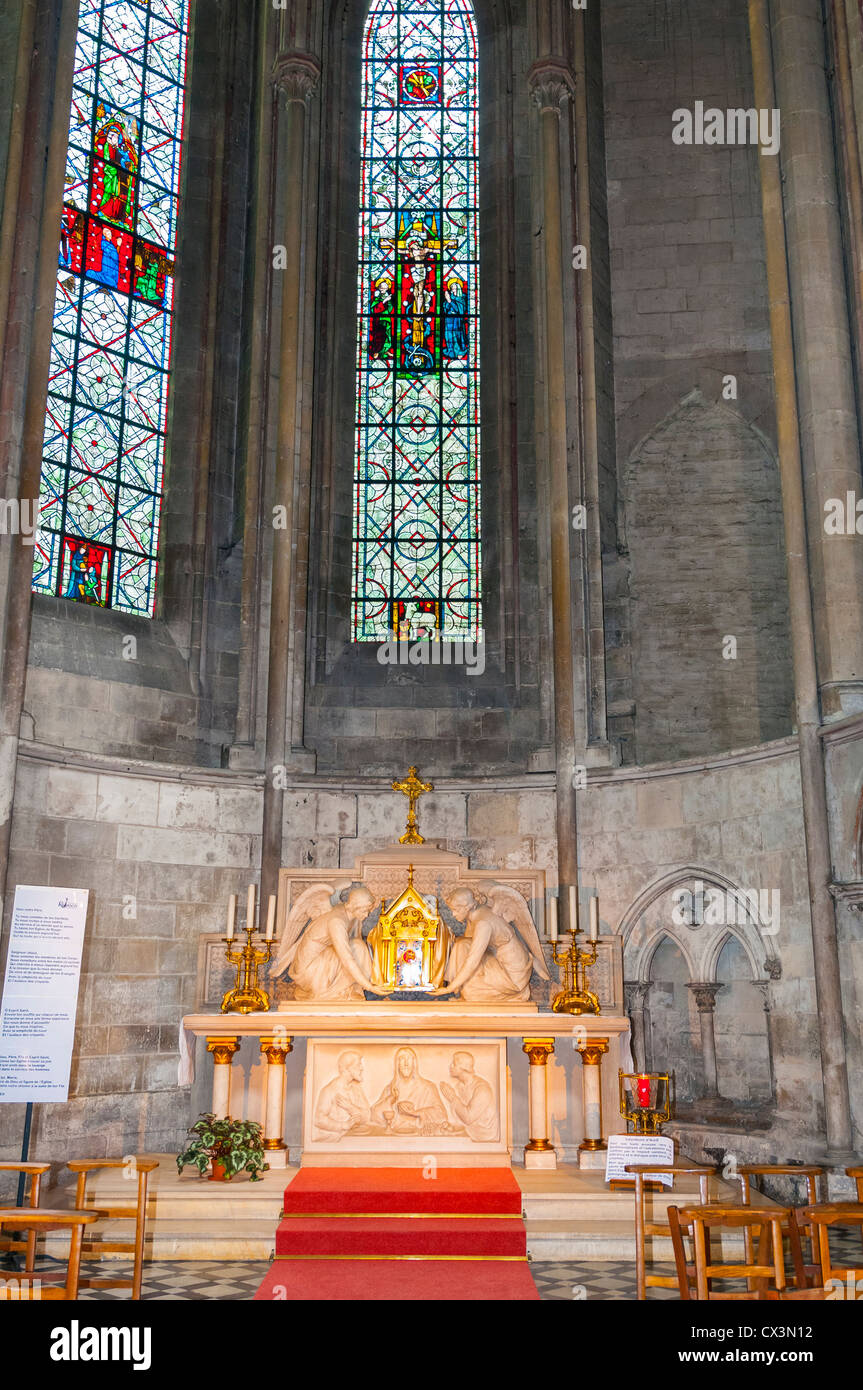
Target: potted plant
{"x": 226, "y": 1146}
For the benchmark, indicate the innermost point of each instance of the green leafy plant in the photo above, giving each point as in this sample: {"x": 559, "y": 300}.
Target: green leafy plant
{"x": 236, "y": 1144}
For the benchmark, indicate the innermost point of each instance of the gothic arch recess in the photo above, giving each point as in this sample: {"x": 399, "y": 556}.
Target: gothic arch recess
{"x": 702, "y": 948}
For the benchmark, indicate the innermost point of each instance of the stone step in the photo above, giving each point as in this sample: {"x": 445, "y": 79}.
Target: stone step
{"x": 183, "y": 1240}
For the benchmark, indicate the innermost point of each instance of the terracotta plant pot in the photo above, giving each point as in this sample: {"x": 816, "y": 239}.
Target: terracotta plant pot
{"x": 217, "y": 1171}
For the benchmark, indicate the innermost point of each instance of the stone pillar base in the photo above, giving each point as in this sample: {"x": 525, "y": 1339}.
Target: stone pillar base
{"x": 540, "y": 1158}
{"x": 592, "y": 1158}
{"x": 277, "y": 1158}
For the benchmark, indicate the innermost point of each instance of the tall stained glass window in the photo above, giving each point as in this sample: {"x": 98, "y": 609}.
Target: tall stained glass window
{"x": 416, "y": 485}
{"x": 104, "y": 446}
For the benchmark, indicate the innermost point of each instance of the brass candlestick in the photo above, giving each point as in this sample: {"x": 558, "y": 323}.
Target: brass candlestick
{"x": 575, "y": 997}
{"x": 247, "y": 997}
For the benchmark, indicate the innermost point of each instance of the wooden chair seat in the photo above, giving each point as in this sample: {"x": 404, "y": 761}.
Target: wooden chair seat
{"x": 49, "y": 1219}
{"x": 641, "y": 1172}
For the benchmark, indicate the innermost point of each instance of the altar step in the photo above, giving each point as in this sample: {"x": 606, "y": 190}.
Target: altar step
{"x": 569, "y": 1213}
{"x": 375, "y": 1234}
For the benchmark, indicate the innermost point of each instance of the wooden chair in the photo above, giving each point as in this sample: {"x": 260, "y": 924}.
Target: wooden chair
{"x": 35, "y": 1172}
{"x": 820, "y": 1218}
{"x": 45, "y": 1219}
{"x": 764, "y": 1273}
{"x": 96, "y": 1248}
{"x": 643, "y": 1227}
{"x": 810, "y": 1172}
{"x": 857, "y": 1175}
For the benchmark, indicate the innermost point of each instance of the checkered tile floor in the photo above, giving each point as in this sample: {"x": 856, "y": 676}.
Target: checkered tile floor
{"x": 190, "y": 1280}
{"x": 237, "y": 1280}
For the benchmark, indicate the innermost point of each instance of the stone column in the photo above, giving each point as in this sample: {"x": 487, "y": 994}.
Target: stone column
{"x": 705, "y": 999}
{"x": 539, "y": 1151}
{"x": 296, "y": 76}
{"x": 822, "y": 341}
{"x": 223, "y": 1050}
{"x": 551, "y": 84}
{"x": 636, "y": 1004}
{"x": 763, "y": 987}
{"x": 591, "y": 1057}
{"x": 797, "y": 388}
{"x": 276, "y": 1050}
{"x": 38, "y": 135}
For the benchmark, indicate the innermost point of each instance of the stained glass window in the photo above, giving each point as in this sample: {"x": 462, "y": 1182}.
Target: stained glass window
{"x": 416, "y": 486}
{"x": 104, "y": 446}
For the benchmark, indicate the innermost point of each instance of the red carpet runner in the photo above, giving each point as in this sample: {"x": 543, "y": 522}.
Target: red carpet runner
{"x": 391, "y": 1234}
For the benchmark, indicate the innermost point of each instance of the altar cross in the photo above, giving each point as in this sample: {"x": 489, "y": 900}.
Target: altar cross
{"x": 413, "y": 789}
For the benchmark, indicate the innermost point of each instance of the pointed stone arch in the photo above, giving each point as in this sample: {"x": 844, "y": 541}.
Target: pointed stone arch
{"x": 701, "y": 951}
{"x": 701, "y": 518}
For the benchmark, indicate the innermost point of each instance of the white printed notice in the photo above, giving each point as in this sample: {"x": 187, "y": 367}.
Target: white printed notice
{"x": 638, "y": 1148}
{"x": 40, "y": 993}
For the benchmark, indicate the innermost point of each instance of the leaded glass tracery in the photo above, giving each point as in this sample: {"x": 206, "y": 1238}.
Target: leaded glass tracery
{"x": 104, "y": 444}
{"x": 417, "y": 482}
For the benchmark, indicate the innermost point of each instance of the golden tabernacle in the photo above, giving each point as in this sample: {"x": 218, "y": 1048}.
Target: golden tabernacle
{"x": 410, "y": 943}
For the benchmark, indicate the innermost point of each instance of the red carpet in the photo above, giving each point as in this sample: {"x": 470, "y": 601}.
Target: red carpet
{"x": 390, "y": 1234}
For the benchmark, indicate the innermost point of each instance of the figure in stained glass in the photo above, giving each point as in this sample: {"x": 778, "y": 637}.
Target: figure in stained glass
{"x": 455, "y": 318}
{"x": 113, "y": 186}
{"x": 381, "y": 326}
{"x": 104, "y": 440}
{"x": 416, "y": 557}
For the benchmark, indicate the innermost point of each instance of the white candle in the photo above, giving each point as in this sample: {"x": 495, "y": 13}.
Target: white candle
{"x": 250, "y": 906}
{"x": 552, "y": 918}
{"x": 594, "y": 918}
{"x": 271, "y": 916}
{"x": 232, "y": 916}
{"x": 573, "y": 909}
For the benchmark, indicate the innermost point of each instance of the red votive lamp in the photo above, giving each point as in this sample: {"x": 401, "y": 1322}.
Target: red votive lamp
{"x": 643, "y": 1088}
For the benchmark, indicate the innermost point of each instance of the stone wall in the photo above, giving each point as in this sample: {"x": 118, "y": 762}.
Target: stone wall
{"x": 739, "y": 818}
{"x": 170, "y": 845}
{"x": 689, "y": 309}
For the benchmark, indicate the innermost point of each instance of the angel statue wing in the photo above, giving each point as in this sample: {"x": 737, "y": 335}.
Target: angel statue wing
{"x": 312, "y": 902}
{"x": 511, "y": 906}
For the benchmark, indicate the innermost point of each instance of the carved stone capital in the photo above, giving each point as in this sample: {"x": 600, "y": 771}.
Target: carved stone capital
{"x": 636, "y": 994}
{"x": 773, "y": 968}
{"x": 705, "y": 996}
{"x": 296, "y": 74}
{"x": 593, "y": 1052}
{"x": 276, "y": 1050}
{"x": 551, "y": 83}
{"x": 223, "y": 1050}
{"x": 763, "y": 987}
{"x": 538, "y": 1050}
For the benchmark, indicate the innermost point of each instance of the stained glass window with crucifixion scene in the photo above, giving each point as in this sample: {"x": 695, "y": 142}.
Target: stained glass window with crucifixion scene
{"x": 416, "y": 543}
{"x": 104, "y": 443}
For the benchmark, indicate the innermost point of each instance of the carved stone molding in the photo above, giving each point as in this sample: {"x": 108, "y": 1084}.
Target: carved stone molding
{"x": 551, "y": 83}
{"x": 296, "y": 74}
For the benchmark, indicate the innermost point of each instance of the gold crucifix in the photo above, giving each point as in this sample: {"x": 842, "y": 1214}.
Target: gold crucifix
{"x": 413, "y": 789}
